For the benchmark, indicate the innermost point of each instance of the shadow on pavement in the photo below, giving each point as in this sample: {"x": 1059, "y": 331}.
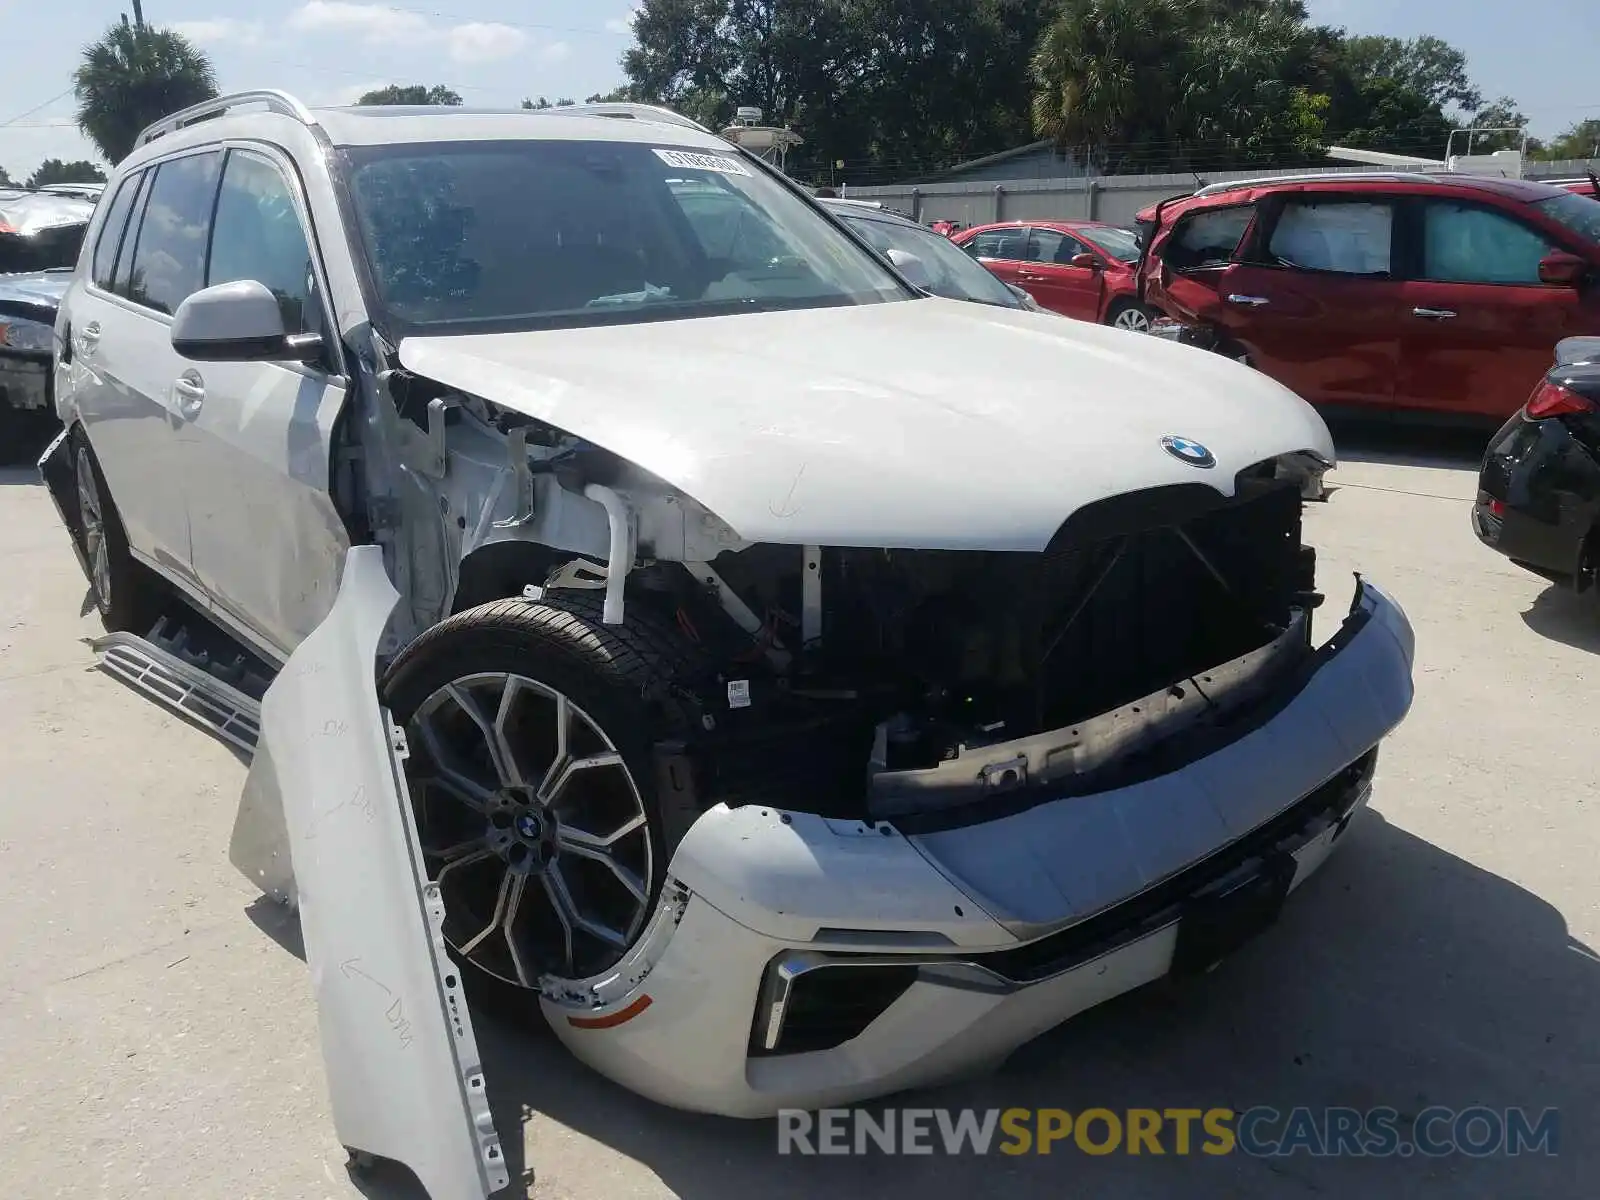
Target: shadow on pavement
{"x": 23, "y": 438}
{"x": 1420, "y": 445}
{"x": 1400, "y": 976}
{"x": 1566, "y": 616}
{"x": 279, "y": 922}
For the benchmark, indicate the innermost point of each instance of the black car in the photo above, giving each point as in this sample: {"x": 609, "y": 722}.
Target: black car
{"x": 40, "y": 235}
{"x": 1539, "y": 490}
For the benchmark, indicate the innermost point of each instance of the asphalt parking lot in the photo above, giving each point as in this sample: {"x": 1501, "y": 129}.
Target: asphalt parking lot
{"x": 157, "y": 1036}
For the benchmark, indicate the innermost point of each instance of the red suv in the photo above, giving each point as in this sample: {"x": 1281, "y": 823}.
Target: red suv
{"x": 1443, "y": 294}
{"x": 1079, "y": 269}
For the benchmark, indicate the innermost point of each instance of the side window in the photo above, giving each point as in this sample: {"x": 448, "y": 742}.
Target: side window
{"x": 257, "y": 235}
{"x": 1349, "y": 237}
{"x": 130, "y": 238}
{"x": 1049, "y": 246}
{"x": 998, "y": 243}
{"x": 1207, "y": 239}
{"x": 169, "y": 261}
{"x": 1462, "y": 243}
{"x": 104, "y": 263}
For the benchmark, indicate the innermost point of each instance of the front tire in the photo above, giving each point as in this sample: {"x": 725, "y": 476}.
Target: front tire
{"x": 531, "y": 727}
{"x": 1129, "y": 315}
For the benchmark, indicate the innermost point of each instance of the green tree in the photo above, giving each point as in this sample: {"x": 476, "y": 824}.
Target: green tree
{"x": 1382, "y": 114}
{"x": 53, "y": 170}
{"x": 1104, "y": 79}
{"x": 1429, "y": 66}
{"x": 5, "y": 180}
{"x": 1252, "y": 93}
{"x": 1151, "y": 84}
{"x": 1503, "y": 116}
{"x": 1580, "y": 141}
{"x": 908, "y": 85}
{"x": 133, "y": 76}
{"x": 414, "y": 94}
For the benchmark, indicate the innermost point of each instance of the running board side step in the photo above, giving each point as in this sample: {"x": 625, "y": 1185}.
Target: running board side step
{"x": 182, "y": 687}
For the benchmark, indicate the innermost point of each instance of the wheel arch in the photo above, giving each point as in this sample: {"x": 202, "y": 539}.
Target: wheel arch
{"x": 500, "y": 570}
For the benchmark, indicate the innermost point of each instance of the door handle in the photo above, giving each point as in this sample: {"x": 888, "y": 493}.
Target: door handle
{"x": 89, "y": 337}
{"x": 1433, "y": 314}
{"x": 190, "y": 392}
{"x": 1249, "y": 301}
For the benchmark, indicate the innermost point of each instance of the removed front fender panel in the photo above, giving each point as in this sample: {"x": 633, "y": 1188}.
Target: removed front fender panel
{"x": 404, "y": 1073}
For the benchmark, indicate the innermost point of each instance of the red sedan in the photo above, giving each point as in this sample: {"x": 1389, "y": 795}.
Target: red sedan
{"x": 1080, "y": 269}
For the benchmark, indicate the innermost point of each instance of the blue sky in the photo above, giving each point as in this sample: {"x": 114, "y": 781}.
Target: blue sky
{"x": 494, "y": 52}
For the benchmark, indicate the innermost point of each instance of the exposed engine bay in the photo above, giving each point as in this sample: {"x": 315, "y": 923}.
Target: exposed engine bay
{"x": 863, "y": 683}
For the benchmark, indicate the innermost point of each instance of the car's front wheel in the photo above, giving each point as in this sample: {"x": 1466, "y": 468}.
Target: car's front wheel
{"x": 1129, "y": 315}
{"x": 531, "y": 726}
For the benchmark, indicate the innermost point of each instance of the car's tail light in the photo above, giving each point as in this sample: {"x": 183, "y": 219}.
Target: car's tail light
{"x": 7, "y": 228}
{"x": 1553, "y": 400}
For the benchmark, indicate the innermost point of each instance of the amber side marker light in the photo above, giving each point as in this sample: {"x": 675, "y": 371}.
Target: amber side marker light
{"x": 611, "y": 1020}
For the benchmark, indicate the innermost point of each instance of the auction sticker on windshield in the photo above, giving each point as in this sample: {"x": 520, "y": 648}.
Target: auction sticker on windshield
{"x": 702, "y": 162}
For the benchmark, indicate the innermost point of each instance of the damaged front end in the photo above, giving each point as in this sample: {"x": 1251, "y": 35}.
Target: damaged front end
{"x": 970, "y": 683}
{"x": 849, "y": 744}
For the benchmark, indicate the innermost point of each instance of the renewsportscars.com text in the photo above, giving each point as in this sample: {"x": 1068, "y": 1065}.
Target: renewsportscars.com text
{"x": 1262, "y": 1132}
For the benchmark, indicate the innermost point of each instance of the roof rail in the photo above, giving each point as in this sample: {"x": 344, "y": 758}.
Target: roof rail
{"x": 275, "y": 101}
{"x": 628, "y": 111}
{"x": 1317, "y": 177}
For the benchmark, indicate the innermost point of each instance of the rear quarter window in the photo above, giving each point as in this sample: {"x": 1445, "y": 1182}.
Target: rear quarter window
{"x": 110, "y": 238}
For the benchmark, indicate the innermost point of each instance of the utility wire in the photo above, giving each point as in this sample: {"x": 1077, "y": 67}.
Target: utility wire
{"x": 36, "y": 108}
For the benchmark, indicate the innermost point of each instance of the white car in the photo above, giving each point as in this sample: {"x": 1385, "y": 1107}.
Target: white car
{"x": 800, "y": 687}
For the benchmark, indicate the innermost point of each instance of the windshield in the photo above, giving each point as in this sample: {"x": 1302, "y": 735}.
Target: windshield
{"x": 947, "y": 270}
{"x": 1578, "y": 213}
{"x": 482, "y": 236}
{"x": 1121, "y": 244}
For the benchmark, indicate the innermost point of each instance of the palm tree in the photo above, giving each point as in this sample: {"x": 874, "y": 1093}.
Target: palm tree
{"x": 133, "y": 76}
{"x": 1105, "y": 76}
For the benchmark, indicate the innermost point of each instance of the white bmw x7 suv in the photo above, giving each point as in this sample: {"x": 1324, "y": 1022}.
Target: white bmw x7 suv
{"x": 798, "y": 686}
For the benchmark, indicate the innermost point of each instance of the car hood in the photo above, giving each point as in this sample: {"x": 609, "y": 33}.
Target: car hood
{"x": 35, "y": 295}
{"x": 925, "y": 424}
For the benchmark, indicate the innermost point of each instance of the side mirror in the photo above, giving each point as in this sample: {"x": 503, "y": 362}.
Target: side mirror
{"x": 1562, "y": 269}
{"x": 1025, "y": 297}
{"x": 238, "y": 322}
{"x": 1088, "y": 261}
{"x": 912, "y": 267}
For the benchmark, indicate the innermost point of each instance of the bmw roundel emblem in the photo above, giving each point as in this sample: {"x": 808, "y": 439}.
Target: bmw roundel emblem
{"x": 1186, "y": 451}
